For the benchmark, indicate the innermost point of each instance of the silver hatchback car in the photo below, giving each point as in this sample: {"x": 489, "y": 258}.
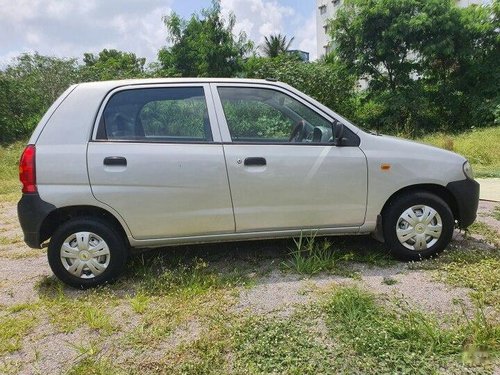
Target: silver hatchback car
{"x": 149, "y": 163}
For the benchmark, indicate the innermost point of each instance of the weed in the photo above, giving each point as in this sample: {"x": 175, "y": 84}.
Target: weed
{"x": 24, "y": 254}
{"x": 389, "y": 280}
{"x": 481, "y": 337}
{"x": 311, "y": 257}
{"x": 140, "y": 302}
{"x": 70, "y": 313}
{"x": 12, "y": 329}
{"x": 484, "y": 230}
{"x": 496, "y": 213}
{"x": 9, "y": 180}
{"x": 8, "y": 367}
{"x": 90, "y": 361}
{"x": 22, "y": 307}
{"x": 266, "y": 345}
{"x": 476, "y": 269}
{"x": 402, "y": 340}
{"x": 158, "y": 276}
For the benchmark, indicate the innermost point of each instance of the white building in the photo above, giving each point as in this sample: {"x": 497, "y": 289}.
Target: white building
{"x": 327, "y": 9}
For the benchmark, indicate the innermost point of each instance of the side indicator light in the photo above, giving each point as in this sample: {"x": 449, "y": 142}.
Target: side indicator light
{"x": 385, "y": 167}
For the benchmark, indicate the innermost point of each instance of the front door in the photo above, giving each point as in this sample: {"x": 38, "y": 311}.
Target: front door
{"x": 284, "y": 171}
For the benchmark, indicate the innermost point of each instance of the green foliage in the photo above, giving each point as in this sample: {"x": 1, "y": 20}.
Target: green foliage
{"x": 428, "y": 64}
{"x": 405, "y": 340}
{"x": 12, "y": 330}
{"x": 27, "y": 88}
{"x": 276, "y": 45}
{"x": 203, "y": 46}
{"x": 9, "y": 172}
{"x": 311, "y": 257}
{"x": 264, "y": 346}
{"x": 330, "y": 84}
{"x": 476, "y": 269}
{"x": 158, "y": 276}
{"x": 111, "y": 64}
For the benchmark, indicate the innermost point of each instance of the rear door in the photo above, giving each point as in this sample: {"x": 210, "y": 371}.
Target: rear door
{"x": 156, "y": 159}
{"x": 283, "y": 169}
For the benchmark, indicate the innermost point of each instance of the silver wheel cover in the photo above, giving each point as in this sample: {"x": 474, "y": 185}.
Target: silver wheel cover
{"x": 419, "y": 227}
{"x": 85, "y": 255}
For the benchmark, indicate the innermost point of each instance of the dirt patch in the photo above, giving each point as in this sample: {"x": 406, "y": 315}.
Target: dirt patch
{"x": 417, "y": 287}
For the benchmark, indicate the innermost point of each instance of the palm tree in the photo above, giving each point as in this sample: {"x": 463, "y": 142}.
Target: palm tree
{"x": 276, "y": 45}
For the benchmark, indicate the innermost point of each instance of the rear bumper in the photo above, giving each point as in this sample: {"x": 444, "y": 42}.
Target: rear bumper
{"x": 466, "y": 194}
{"x": 32, "y": 211}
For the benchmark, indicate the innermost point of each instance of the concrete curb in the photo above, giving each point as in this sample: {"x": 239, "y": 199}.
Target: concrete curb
{"x": 490, "y": 189}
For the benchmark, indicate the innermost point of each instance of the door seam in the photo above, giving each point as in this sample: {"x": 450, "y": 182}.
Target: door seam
{"x": 224, "y": 154}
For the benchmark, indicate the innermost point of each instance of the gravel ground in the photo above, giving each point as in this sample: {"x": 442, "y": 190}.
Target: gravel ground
{"x": 274, "y": 292}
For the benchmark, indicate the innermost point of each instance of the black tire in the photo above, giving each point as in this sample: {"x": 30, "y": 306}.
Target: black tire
{"x": 118, "y": 251}
{"x": 398, "y": 206}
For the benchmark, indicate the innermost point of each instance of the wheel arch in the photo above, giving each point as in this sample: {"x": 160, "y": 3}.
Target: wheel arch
{"x": 438, "y": 190}
{"x": 55, "y": 218}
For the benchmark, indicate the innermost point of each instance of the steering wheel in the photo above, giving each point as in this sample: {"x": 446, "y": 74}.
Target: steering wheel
{"x": 297, "y": 134}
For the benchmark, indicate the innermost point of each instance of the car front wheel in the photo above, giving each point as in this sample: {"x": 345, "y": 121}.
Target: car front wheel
{"x": 417, "y": 225}
{"x": 86, "y": 252}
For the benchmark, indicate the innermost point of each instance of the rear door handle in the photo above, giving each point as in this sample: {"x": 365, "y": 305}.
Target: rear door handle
{"x": 115, "y": 160}
{"x": 255, "y": 161}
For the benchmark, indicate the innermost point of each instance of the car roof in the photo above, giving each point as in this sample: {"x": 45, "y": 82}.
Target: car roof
{"x": 145, "y": 81}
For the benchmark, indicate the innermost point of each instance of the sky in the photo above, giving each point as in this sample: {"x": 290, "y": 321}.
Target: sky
{"x": 68, "y": 28}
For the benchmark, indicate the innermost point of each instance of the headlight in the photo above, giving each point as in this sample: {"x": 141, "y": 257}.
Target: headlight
{"x": 468, "y": 170}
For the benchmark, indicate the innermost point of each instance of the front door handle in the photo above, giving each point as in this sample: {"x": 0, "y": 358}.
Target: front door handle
{"x": 255, "y": 161}
{"x": 115, "y": 161}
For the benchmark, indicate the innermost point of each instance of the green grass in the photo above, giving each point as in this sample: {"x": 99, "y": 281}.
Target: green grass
{"x": 10, "y": 187}
{"x": 488, "y": 233}
{"x": 283, "y": 346}
{"x": 68, "y": 313}
{"x": 476, "y": 269}
{"x": 403, "y": 340}
{"x": 496, "y": 213}
{"x": 12, "y": 330}
{"x": 311, "y": 256}
{"x": 90, "y": 361}
{"x": 158, "y": 275}
{"x": 349, "y": 332}
{"x": 479, "y": 146}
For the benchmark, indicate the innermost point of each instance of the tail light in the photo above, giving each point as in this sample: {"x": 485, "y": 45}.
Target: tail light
{"x": 27, "y": 171}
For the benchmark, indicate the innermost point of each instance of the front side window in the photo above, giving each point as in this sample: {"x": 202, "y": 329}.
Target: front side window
{"x": 266, "y": 115}
{"x": 176, "y": 114}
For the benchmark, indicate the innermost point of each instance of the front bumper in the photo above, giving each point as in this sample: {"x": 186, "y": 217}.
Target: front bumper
{"x": 32, "y": 211}
{"x": 466, "y": 194}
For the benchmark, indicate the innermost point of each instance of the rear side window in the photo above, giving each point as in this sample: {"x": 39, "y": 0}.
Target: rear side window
{"x": 176, "y": 114}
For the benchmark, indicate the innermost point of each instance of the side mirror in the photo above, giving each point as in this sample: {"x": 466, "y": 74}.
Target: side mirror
{"x": 338, "y": 132}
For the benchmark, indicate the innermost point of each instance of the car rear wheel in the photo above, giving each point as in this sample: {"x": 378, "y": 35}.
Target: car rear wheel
{"x": 417, "y": 225}
{"x": 86, "y": 252}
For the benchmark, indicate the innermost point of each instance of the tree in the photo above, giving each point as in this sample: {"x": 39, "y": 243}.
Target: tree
{"x": 204, "y": 46}
{"x": 276, "y": 45}
{"x": 112, "y": 64}
{"x": 421, "y": 59}
{"x": 27, "y": 88}
{"x": 331, "y": 84}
